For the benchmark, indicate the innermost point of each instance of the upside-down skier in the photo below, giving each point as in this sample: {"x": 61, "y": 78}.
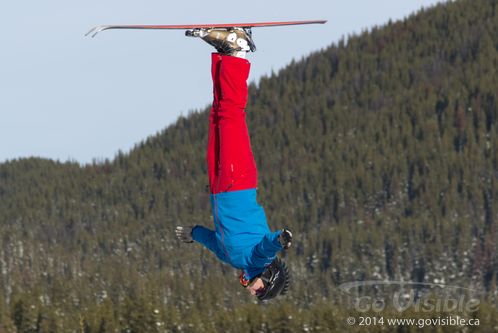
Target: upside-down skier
{"x": 241, "y": 237}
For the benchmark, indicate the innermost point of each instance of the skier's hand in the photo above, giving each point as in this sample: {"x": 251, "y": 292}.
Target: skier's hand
{"x": 184, "y": 233}
{"x": 285, "y": 238}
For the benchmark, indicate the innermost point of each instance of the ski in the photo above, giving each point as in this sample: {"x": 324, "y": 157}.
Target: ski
{"x": 100, "y": 28}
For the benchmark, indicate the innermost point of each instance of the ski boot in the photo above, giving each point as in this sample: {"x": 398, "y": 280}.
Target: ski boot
{"x": 184, "y": 234}
{"x": 231, "y": 41}
{"x": 285, "y": 238}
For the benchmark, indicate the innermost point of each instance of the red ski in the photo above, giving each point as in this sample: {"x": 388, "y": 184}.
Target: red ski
{"x": 100, "y": 28}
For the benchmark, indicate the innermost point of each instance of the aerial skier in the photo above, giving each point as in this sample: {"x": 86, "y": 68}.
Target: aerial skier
{"x": 241, "y": 237}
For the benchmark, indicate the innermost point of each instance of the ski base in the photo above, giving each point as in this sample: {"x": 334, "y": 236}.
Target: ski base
{"x": 100, "y": 28}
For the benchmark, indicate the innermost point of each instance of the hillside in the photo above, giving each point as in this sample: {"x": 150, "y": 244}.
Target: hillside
{"x": 379, "y": 152}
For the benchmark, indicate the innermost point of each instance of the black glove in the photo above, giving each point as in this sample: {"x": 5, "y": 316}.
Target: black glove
{"x": 184, "y": 233}
{"x": 285, "y": 238}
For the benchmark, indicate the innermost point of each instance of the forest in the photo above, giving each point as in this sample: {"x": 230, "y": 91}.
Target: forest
{"x": 379, "y": 152}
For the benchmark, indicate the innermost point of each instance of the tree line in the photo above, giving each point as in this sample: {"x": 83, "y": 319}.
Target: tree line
{"x": 378, "y": 152}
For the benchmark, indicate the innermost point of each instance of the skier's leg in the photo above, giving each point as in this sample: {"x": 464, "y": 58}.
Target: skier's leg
{"x": 213, "y": 148}
{"x": 237, "y": 168}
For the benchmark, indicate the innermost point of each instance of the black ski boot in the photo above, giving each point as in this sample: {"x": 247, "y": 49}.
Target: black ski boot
{"x": 229, "y": 41}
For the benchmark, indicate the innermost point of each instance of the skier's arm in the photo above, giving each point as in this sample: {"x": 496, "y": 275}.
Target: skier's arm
{"x": 207, "y": 238}
{"x": 266, "y": 249}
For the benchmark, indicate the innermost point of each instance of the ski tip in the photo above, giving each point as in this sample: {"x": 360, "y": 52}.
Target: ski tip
{"x": 94, "y": 31}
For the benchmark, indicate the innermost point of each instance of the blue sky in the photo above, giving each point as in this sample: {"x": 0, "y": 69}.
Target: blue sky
{"x": 68, "y": 97}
